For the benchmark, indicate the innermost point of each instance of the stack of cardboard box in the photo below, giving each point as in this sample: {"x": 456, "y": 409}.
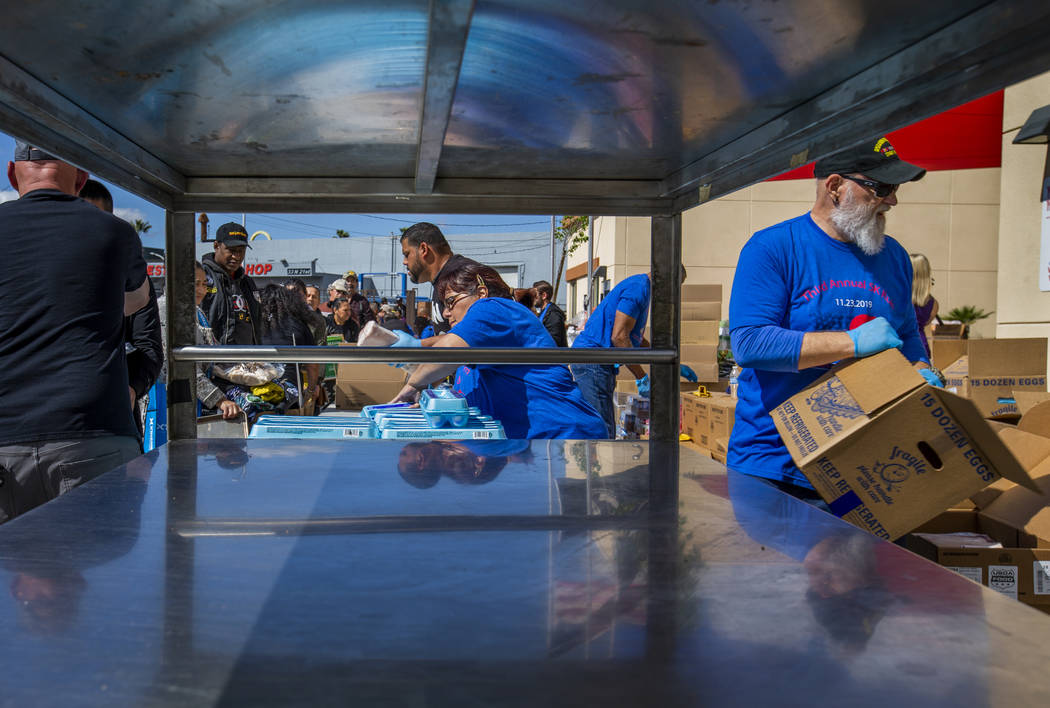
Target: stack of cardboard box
{"x": 701, "y": 312}
{"x": 990, "y": 371}
{"x": 1001, "y": 537}
{"x": 708, "y": 420}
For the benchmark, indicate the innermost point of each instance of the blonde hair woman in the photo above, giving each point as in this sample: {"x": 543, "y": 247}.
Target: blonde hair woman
{"x": 925, "y": 304}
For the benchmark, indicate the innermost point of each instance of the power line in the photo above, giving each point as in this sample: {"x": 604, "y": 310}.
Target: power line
{"x": 443, "y": 223}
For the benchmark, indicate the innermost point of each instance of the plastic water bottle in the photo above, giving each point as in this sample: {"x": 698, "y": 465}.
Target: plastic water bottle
{"x": 734, "y": 375}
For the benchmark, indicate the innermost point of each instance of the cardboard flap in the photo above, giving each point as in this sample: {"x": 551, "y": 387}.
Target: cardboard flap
{"x": 995, "y": 451}
{"x": 1008, "y": 356}
{"x": 879, "y": 379}
{"x": 1023, "y": 509}
{"x": 1037, "y": 420}
{"x": 1026, "y": 400}
{"x": 1030, "y": 450}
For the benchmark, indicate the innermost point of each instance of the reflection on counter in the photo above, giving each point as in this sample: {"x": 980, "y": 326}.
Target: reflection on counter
{"x": 47, "y": 559}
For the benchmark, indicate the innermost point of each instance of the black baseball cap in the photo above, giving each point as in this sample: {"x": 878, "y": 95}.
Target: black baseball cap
{"x": 24, "y": 152}
{"x": 232, "y": 234}
{"x": 875, "y": 159}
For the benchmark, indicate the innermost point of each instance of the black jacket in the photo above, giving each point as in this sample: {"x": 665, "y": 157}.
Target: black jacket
{"x": 217, "y": 302}
{"x": 554, "y": 322}
{"x": 146, "y": 355}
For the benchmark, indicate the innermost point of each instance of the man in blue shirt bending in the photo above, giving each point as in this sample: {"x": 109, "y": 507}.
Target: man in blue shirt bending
{"x": 821, "y": 288}
{"x": 617, "y": 321}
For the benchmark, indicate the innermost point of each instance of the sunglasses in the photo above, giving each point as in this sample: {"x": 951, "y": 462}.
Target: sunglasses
{"x": 881, "y": 189}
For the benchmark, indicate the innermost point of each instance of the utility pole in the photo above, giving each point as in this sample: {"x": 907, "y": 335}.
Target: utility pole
{"x": 552, "y": 249}
{"x": 590, "y": 264}
{"x": 393, "y": 281}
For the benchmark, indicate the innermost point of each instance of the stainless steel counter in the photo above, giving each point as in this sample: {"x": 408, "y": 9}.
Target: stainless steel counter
{"x": 324, "y": 573}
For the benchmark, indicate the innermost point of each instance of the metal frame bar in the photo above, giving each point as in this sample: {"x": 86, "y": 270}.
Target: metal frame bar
{"x": 198, "y": 528}
{"x": 428, "y": 355}
{"x": 880, "y": 99}
{"x": 666, "y": 257}
{"x": 31, "y": 109}
{"x": 182, "y": 321}
{"x": 398, "y": 195}
{"x": 446, "y": 41}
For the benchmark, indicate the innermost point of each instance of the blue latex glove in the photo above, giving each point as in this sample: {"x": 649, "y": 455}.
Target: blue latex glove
{"x": 687, "y": 373}
{"x": 643, "y": 385}
{"x": 873, "y": 337}
{"x": 931, "y": 378}
{"x": 404, "y": 339}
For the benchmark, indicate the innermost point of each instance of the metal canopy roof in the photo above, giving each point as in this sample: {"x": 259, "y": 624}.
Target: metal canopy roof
{"x": 524, "y": 106}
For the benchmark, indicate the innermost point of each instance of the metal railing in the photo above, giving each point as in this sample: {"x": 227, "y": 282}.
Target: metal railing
{"x": 426, "y": 355}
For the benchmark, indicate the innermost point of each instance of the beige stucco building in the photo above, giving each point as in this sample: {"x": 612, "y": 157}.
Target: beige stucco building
{"x": 980, "y": 228}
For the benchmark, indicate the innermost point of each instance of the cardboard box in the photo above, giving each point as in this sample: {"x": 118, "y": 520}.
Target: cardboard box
{"x": 702, "y": 293}
{"x": 700, "y": 311}
{"x": 719, "y": 448}
{"x": 359, "y": 385}
{"x": 723, "y": 415}
{"x": 707, "y": 353}
{"x": 992, "y": 369}
{"x": 946, "y": 351}
{"x": 1035, "y": 420}
{"x": 885, "y": 450}
{"x": 703, "y": 422}
{"x": 1016, "y": 569}
{"x": 688, "y": 414}
{"x": 700, "y": 332}
{"x": 704, "y": 370}
{"x": 1027, "y": 400}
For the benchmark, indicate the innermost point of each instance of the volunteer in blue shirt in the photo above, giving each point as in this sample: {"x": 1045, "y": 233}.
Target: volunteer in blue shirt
{"x": 531, "y": 401}
{"x": 617, "y": 321}
{"x": 824, "y": 287}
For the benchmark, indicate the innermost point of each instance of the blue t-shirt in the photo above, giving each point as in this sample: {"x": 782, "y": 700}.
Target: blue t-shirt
{"x": 793, "y": 278}
{"x": 631, "y": 297}
{"x": 532, "y": 401}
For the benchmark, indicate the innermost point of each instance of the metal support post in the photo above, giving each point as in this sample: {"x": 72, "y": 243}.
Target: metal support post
{"x": 181, "y": 317}
{"x": 666, "y": 249}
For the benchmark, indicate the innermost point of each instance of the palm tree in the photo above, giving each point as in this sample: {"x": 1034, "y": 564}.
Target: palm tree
{"x": 141, "y": 226}
{"x": 341, "y": 233}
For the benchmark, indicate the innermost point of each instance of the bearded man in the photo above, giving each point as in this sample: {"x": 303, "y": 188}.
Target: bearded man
{"x": 824, "y": 287}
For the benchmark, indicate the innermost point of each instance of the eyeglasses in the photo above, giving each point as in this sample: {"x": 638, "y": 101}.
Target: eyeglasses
{"x": 452, "y": 300}
{"x": 881, "y": 189}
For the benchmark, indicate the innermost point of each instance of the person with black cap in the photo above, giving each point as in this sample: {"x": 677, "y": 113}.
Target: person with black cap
{"x": 230, "y": 304}
{"x": 66, "y": 413}
{"x": 359, "y": 305}
{"x": 824, "y": 287}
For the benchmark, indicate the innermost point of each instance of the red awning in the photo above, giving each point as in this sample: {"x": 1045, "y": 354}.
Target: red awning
{"x": 966, "y": 137}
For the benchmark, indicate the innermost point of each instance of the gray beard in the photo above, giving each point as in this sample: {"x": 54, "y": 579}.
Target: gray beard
{"x": 866, "y": 229}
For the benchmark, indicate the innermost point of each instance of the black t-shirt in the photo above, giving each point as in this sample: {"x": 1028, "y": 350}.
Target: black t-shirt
{"x": 454, "y": 262}
{"x": 303, "y": 337}
{"x": 348, "y": 329}
{"x": 65, "y": 268}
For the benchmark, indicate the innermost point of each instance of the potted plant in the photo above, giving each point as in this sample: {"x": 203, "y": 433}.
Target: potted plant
{"x": 966, "y": 316}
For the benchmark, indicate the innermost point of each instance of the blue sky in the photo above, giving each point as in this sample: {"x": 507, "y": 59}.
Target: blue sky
{"x": 284, "y": 226}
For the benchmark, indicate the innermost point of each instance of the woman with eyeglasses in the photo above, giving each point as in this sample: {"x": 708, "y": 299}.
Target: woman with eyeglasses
{"x": 531, "y": 401}
{"x": 925, "y": 304}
